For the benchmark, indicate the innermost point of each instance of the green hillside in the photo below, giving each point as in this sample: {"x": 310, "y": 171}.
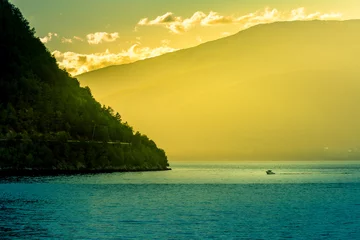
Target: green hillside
{"x": 47, "y": 121}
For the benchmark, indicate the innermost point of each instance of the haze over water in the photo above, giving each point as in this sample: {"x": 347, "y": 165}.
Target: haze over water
{"x": 233, "y": 200}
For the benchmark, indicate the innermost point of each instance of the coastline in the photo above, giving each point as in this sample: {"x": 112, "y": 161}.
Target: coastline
{"x": 56, "y": 172}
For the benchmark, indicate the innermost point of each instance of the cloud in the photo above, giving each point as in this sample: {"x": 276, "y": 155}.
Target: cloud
{"x": 76, "y": 63}
{"x": 177, "y": 24}
{"x": 173, "y": 23}
{"x": 78, "y": 38}
{"x": 225, "y": 34}
{"x": 99, "y": 37}
{"x": 51, "y": 35}
{"x": 48, "y": 37}
{"x": 165, "y": 42}
{"x": 66, "y": 40}
{"x": 164, "y": 19}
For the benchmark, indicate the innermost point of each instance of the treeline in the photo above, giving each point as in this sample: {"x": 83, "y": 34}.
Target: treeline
{"x": 42, "y": 107}
{"x": 63, "y": 155}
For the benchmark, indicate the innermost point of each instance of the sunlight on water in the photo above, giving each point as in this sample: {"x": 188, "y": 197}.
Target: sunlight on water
{"x": 225, "y": 173}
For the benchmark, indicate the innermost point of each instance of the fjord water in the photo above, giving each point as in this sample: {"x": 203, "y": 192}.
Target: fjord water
{"x": 233, "y": 200}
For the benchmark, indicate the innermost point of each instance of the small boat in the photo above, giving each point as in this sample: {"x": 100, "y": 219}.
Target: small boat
{"x": 269, "y": 172}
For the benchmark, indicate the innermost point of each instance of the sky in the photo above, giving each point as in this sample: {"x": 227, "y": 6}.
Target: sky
{"x": 85, "y": 35}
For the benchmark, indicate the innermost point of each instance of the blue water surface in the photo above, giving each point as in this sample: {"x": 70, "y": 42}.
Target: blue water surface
{"x": 234, "y": 200}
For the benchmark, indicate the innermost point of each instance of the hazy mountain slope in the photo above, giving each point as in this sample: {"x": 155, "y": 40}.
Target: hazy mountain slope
{"x": 281, "y": 90}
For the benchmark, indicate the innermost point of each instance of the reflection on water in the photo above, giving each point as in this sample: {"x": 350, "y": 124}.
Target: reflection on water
{"x": 302, "y": 200}
{"x": 220, "y": 172}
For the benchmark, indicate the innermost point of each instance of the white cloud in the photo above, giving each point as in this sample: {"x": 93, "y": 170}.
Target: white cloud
{"x": 66, "y": 40}
{"x": 99, "y": 37}
{"x": 177, "y": 24}
{"x": 225, "y": 33}
{"x": 165, "y": 42}
{"x": 78, "y": 38}
{"x": 164, "y": 19}
{"x": 48, "y": 37}
{"x": 76, "y": 63}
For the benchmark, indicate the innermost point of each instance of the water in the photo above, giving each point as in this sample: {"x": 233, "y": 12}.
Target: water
{"x": 193, "y": 201}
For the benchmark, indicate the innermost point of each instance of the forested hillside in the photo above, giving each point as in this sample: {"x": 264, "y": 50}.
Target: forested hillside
{"x": 47, "y": 121}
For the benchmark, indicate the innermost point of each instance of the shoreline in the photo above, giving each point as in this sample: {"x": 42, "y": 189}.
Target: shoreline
{"x": 52, "y": 172}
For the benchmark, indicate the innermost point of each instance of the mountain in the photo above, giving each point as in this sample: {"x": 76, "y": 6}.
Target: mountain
{"x": 285, "y": 90}
{"x": 49, "y": 122}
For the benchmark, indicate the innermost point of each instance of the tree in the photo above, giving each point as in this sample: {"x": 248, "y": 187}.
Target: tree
{"x": 45, "y": 106}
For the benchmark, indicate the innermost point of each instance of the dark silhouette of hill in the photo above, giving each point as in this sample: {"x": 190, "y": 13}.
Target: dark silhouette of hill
{"x": 47, "y": 121}
{"x": 285, "y": 90}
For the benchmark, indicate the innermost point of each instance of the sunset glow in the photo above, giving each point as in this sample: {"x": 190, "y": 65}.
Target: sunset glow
{"x": 116, "y": 32}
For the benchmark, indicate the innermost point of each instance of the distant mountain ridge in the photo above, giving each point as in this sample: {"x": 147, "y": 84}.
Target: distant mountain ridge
{"x": 285, "y": 90}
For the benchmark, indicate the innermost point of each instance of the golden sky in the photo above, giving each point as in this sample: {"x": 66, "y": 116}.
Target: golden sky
{"x": 88, "y": 34}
